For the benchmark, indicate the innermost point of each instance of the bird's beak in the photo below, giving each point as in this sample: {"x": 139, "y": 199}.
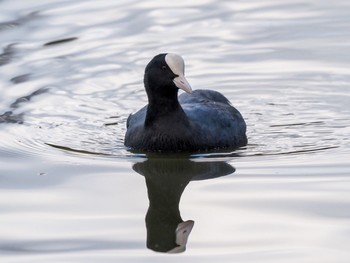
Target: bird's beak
{"x": 182, "y": 83}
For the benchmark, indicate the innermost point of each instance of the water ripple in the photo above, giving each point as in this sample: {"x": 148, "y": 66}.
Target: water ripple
{"x": 71, "y": 73}
{"x": 91, "y": 79}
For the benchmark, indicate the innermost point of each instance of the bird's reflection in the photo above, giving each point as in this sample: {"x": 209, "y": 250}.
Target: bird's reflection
{"x": 166, "y": 179}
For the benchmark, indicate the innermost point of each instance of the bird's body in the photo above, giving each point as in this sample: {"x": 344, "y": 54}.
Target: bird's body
{"x": 196, "y": 121}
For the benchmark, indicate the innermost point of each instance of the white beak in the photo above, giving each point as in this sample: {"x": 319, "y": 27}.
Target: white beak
{"x": 182, "y": 83}
{"x": 177, "y": 66}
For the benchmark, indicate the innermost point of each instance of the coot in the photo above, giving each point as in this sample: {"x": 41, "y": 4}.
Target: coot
{"x": 198, "y": 120}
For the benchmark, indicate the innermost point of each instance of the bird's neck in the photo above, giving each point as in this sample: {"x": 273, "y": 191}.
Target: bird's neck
{"x": 167, "y": 108}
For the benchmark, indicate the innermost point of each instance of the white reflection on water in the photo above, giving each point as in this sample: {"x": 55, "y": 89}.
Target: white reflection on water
{"x": 285, "y": 66}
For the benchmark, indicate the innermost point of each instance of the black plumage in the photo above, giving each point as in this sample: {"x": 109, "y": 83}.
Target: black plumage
{"x": 195, "y": 121}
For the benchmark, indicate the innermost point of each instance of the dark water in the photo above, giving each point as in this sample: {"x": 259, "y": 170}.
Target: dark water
{"x": 71, "y": 72}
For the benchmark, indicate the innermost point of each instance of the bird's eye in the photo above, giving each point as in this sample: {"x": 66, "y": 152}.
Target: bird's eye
{"x": 164, "y": 68}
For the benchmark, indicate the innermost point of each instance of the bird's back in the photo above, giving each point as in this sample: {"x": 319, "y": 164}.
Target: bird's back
{"x": 218, "y": 124}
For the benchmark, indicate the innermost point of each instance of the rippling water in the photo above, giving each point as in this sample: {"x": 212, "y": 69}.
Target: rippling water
{"x": 71, "y": 72}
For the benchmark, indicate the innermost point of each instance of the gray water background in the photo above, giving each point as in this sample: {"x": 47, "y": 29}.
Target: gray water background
{"x": 69, "y": 192}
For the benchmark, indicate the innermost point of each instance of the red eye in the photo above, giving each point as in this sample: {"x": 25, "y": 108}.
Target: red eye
{"x": 164, "y": 68}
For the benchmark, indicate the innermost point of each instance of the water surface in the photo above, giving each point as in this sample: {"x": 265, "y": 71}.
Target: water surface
{"x": 70, "y": 74}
